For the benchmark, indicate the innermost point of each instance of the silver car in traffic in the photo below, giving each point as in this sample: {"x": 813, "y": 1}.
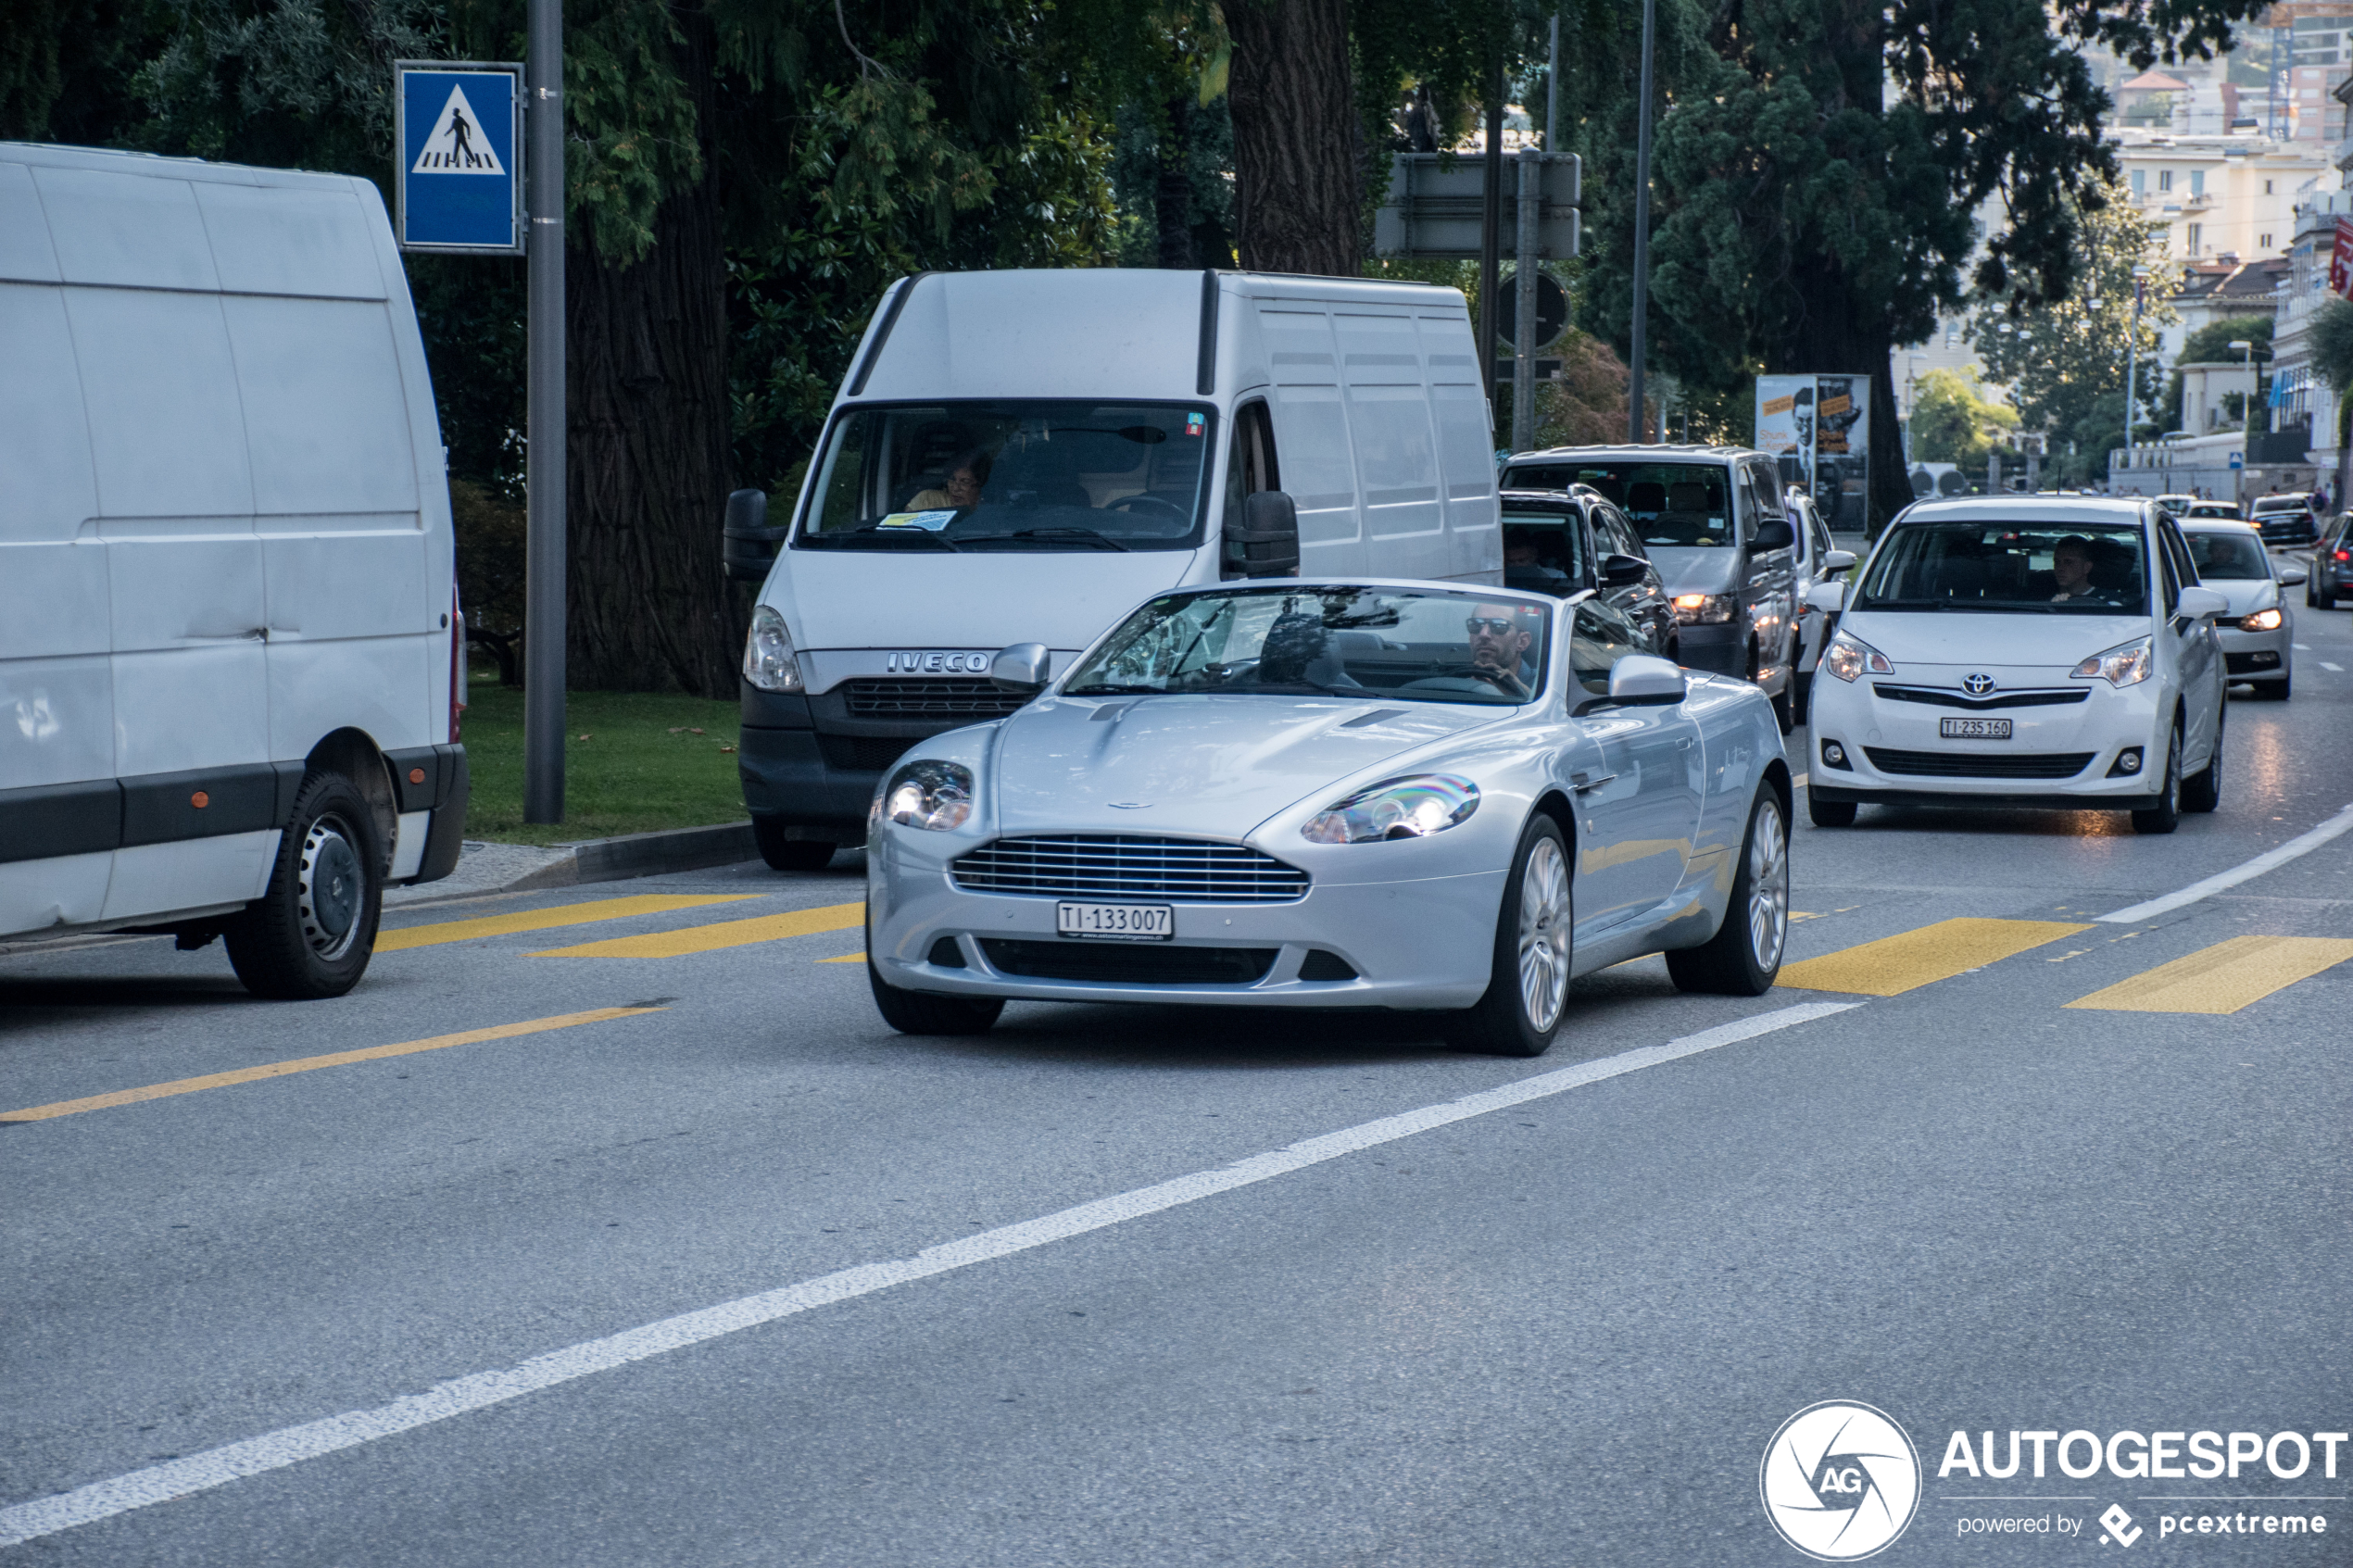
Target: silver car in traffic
{"x": 1336, "y": 794}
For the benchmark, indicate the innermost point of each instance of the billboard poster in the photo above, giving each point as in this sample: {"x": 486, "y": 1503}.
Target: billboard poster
{"x": 1817, "y": 429}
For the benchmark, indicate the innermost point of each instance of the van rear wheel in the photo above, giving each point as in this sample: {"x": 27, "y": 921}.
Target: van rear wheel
{"x": 312, "y": 934}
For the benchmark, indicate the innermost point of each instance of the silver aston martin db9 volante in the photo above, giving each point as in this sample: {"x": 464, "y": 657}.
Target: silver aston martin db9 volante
{"x": 1339, "y": 794}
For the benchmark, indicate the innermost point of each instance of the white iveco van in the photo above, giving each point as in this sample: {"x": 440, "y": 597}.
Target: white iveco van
{"x": 1021, "y": 456}
{"x": 229, "y": 639}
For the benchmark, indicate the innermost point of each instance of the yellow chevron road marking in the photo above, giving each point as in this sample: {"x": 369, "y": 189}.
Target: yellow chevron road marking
{"x": 2222, "y": 978}
{"x": 711, "y": 938}
{"x": 540, "y": 919}
{"x": 1893, "y": 965}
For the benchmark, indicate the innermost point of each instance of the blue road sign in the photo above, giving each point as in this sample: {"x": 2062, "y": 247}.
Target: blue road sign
{"x": 458, "y": 174}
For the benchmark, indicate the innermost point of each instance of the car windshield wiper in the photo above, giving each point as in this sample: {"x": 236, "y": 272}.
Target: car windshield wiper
{"x": 839, "y": 537}
{"x": 1113, "y": 688}
{"x": 1087, "y": 534}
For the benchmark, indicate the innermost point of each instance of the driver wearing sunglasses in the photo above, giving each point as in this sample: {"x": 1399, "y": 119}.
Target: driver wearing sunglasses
{"x": 1499, "y": 642}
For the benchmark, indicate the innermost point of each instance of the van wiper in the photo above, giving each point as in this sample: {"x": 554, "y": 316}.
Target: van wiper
{"x": 1087, "y": 534}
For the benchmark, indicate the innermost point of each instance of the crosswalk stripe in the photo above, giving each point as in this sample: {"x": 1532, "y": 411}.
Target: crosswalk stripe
{"x": 540, "y": 919}
{"x": 313, "y": 1063}
{"x": 1893, "y": 965}
{"x": 846, "y": 957}
{"x": 710, "y": 939}
{"x": 2222, "y": 978}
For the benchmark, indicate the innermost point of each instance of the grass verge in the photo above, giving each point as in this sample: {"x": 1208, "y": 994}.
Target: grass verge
{"x": 634, "y": 762}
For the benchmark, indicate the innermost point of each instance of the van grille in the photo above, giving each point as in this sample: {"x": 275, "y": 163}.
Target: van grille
{"x": 1128, "y": 963}
{"x": 1967, "y": 765}
{"x": 1180, "y": 870}
{"x": 936, "y": 698}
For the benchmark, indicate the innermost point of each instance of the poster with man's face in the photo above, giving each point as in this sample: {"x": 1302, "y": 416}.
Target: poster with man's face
{"x": 1785, "y": 426}
{"x": 1817, "y": 428}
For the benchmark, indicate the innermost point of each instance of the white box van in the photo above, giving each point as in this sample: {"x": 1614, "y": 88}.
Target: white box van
{"x": 229, "y": 650}
{"x": 1021, "y": 457}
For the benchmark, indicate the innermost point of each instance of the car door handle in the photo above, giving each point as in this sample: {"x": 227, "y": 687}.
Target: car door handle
{"x": 1581, "y": 781}
{"x": 1683, "y": 743}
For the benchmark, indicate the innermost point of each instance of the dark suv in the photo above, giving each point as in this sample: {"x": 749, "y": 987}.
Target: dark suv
{"x": 1567, "y": 540}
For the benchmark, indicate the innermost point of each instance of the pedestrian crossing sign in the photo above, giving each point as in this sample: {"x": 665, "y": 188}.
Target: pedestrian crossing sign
{"x": 459, "y": 131}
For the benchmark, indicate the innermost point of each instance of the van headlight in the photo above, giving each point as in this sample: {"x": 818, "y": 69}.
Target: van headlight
{"x": 769, "y": 664}
{"x": 1412, "y": 808}
{"x": 2124, "y": 665}
{"x": 929, "y": 795}
{"x": 1704, "y": 609}
{"x": 1849, "y": 657}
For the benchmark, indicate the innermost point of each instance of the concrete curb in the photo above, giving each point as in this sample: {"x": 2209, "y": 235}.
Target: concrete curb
{"x": 643, "y": 854}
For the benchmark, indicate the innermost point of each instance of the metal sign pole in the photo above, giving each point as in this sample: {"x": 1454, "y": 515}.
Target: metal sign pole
{"x": 1636, "y": 425}
{"x": 1490, "y": 242}
{"x": 543, "y": 709}
{"x": 1531, "y": 201}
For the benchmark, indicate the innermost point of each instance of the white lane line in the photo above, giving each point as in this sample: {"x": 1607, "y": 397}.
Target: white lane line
{"x": 2301, "y": 647}
{"x": 2340, "y": 823}
{"x": 2333, "y": 669}
{"x": 291, "y": 1445}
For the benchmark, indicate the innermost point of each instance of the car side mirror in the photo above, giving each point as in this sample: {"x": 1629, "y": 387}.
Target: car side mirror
{"x": 1022, "y": 668}
{"x": 1264, "y": 542}
{"x": 2291, "y": 575}
{"x": 2200, "y": 604}
{"x": 1771, "y": 534}
{"x": 1623, "y": 572}
{"x": 1836, "y": 560}
{"x": 1828, "y": 598}
{"x": 747, "y": 546}
{"x": 1641, "y": 681}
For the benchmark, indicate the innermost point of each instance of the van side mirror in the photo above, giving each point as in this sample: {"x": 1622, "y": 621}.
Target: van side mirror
{"x": 1835, "y": 562}
{"x": 1022, "y": 668}
{"x": 1623, "y": 572}
{"x": 1771, "y": 534}
{"x": 1264, "y": 542}
{"x": 747, "y": 546}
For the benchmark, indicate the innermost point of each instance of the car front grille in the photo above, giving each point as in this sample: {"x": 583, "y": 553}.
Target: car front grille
{"x": 1970, "y": 765}
{"x": 1938, "y": 697}
{"x": 1176, "y": 871}
{"x": 937, "y": 698}
{"x": 1129, "y": 963}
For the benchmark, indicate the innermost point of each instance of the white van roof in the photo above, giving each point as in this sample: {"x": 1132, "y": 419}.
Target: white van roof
{"x": 1114, "y": 331}
{"x": 67, "y": 216}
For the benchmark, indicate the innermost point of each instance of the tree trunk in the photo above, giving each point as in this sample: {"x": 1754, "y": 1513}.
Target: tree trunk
{"x": 1173, "y": 197}
{"x": 647, "y": 458}
{"x": 1295, "y": 177}
{"x": 1827, "y": 335}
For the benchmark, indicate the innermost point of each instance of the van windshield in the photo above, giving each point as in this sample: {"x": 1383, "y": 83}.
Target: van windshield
{"x": 1674, "y": 506}
{"x": 1012, "y": 475}
{"x": 2010, "y": 568}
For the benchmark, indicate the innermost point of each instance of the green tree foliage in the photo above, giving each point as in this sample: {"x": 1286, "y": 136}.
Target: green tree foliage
{"x": 2210, "y": 345}
{"x": 2330, "y": 340}
{"x": 2058, "y": 356}
{"x": 1955, "y": 421}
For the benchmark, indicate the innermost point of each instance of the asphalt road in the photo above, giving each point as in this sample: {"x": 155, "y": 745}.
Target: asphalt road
{"x": 1562, "y": 1330}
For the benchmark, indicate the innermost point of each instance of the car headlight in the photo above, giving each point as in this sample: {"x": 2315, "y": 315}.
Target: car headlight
{"x": 1413, "y": 808}
{"x": 2262, "y": 621}
{"x": 769, "y": 664}
{"x": 2125, "y": 665}
{"x": 1848, "y": 656}
{"x": 930, "y": 795}
{"x": 1704, "y": 609}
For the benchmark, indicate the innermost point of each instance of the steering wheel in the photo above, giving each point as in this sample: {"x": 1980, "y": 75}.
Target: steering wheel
{"x": 1149, "y": 504}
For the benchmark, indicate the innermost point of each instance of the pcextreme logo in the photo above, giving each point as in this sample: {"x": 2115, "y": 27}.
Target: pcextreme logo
{"x": 1840, "y": 1480}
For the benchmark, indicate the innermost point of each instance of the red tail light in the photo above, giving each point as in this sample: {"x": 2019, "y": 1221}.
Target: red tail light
{"x": 2344, "y": 555}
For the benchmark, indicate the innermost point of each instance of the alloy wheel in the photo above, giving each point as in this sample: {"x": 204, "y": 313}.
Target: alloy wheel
{"x": 1767, "y": 888}
{"x": 1544, "y": 935}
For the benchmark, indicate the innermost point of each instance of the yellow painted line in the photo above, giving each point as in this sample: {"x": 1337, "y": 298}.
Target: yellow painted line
{"x": 1893, "y": 965}
{"x": 846, "y": 957}
{"x": 313, "y": 1063}
{"x": 710, "y": 939}
{"x": 2222, "y": 978}
{"x": 540, "y": 919}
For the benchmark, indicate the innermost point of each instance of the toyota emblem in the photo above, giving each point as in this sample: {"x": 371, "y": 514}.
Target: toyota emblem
{"x": 1977, "y": 686}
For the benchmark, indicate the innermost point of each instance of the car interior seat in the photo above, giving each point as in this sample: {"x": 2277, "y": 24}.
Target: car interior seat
{"x": 1040, "y": 475}
{"x": 1687, "y": 512}
{"x": 1647, "y": 497}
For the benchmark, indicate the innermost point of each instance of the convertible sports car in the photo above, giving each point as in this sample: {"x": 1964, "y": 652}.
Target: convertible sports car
{"x": 1336, "y": 794}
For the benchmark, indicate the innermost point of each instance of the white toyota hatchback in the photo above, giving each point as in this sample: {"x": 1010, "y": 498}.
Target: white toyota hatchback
{"x": 2021, "y": 651}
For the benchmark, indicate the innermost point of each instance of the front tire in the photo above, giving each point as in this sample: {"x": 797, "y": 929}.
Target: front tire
{"x": 2166, "y": 815}
{"x": 919, "y": 1013}
{"x": 310, "y": 936}
{"x": 1744, "y": 956}
{"x": 1528, "y": 984}
{"x": 1801, "y": 704}
{"x": 785, "y": 854}
{"x": 2202, "y": 791}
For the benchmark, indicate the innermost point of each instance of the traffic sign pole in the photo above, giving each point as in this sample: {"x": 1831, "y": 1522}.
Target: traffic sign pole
{"x": 1525, "y": 268}
{"x": 543, "y": 706}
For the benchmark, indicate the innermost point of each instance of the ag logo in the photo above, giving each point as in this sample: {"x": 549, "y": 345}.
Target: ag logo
{"x": 1840, "y": 1480}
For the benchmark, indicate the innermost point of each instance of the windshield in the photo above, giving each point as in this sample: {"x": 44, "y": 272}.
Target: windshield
{"x": 2010, "y": 568}
{"x": 1541, "y": 550}
{"x": 1335, "y": 642}
{"x": 2228, "y": 555}
{"x": 1014, "y": 476}
{"x": 1672, "y": 505}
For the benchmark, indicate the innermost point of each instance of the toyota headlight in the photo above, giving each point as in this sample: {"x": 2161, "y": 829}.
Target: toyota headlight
{"x": 2262, "y": 621}
{"x": 930, "y": 795}
{"x": 1413, "y": 808}
{"x": 1849, "y": 657}
{"x": 2126, "y": 665}
{"x": 1704, "y": 609}
{"x": 769, "y": 664}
